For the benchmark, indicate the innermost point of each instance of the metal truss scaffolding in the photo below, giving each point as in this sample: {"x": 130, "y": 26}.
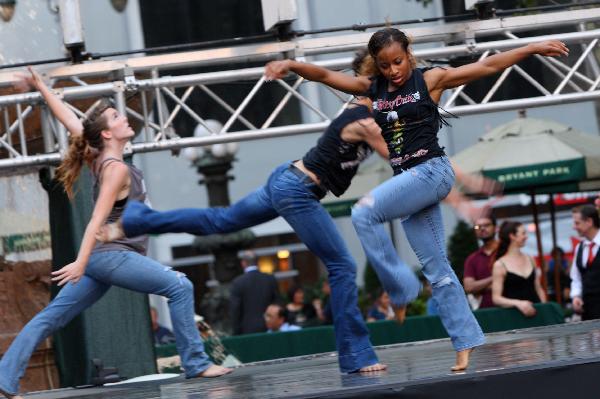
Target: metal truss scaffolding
{"x": 163, "y": 98}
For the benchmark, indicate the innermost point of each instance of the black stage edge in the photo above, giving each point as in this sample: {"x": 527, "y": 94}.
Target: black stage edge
{"x": 545, "y": 362}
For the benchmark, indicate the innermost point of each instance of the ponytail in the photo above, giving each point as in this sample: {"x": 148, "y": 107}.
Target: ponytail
{"x": 363, "y": 64}
{"x": 79, "y": 152}
{"x": 83, "y": 148}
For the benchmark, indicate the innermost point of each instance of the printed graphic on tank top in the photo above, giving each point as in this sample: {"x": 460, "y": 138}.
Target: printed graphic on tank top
{"x": 409, "y": 120}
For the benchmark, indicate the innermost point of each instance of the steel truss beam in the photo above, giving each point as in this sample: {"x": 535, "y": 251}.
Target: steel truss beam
{"x": 171, "y": 93}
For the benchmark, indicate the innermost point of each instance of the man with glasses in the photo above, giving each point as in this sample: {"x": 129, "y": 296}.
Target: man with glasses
{"x": 477, "y": 278}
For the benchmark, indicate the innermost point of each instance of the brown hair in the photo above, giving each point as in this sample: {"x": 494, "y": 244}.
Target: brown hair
{"x": 83, "y": 148}
{"x": 384, "y": 37}
{"x": 506, "y": 229}
{"x": 588, "y": 212}
{"x": 363, "y": 64}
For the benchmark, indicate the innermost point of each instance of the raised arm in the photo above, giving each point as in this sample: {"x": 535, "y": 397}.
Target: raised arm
{"x": 66, "y": 116}
{"x": 114, "y": 178}
{"x": 337, "y": 80}
{"x": 439, "y": 79}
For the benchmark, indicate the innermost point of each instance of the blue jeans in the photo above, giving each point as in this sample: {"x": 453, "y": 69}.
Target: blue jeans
{"x": 291, "y": 196}
{"x": 125, "y": 269}
{"x": 414, "y": 197}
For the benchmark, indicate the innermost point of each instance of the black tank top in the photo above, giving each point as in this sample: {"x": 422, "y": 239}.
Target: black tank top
{"x": 137, "y": 191}
{"x": 334, "y": 160}
{"x": 409, "y": 120}
{"x": 518, "y": 287}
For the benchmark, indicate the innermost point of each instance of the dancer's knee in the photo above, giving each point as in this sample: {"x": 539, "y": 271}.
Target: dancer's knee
{"x": 182, "y": 287}
{"x": 344, "y": 269}
{"x": 362, "y": 211}
{"x": 443, "y": 281}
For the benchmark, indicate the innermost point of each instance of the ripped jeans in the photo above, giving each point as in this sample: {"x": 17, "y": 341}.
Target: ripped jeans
{"x": 125, "y": 269}
{"x": 290, "y": 196}
{"x": 414, "y": 197}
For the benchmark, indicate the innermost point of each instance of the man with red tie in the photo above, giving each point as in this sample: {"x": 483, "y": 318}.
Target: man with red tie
{"x": 585, "y": 272}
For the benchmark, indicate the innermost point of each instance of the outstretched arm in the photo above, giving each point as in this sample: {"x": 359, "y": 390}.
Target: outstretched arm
{"x": 338, "y": 80}
{"x": 66, "y": 116}
{"x": 439, "y": 79}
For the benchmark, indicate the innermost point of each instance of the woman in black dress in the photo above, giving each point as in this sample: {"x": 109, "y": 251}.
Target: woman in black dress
{"x": 515, "y": 279}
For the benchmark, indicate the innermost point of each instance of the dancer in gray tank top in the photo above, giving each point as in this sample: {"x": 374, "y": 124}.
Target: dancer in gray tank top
{"x": 99, "y": 142}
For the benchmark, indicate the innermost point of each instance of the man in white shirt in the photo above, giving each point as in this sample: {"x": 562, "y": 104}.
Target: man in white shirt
{"x": 585, "y": 271}
{"x": 275, "y": 319}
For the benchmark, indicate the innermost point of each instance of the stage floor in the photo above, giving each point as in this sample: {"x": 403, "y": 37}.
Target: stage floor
{"x": 552, "y": 361}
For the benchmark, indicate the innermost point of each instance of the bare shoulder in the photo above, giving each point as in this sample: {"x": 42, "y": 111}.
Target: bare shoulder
{"x": 499, "y": 268}
{"x": 434, "y": 75}
{"x": 362, "y": 100}
{"x": 116, "y": 171}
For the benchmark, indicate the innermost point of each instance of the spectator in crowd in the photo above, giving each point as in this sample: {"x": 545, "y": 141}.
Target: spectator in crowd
{"x": 250, "y": 295}
{"x": 275, "y": 319}
{"x": 477, "y": 278}
{"x": 431, "y": 306}
{"x": 162, "y": 335}
{"x": 585, "y": 271}
{"x": 323, "y": 305}
{"x": 298, "y": 312}
{"x": 558, "y": 275}
{"x": 382, "y": 308}
{"x": 516, "y": 282}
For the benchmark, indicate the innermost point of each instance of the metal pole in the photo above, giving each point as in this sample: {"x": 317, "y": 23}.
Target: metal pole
{"x": 49, "y": 141}
{"x": 538, "y": 238}
{"x": 22, "y": 138}
{"x": 557, "y": 265}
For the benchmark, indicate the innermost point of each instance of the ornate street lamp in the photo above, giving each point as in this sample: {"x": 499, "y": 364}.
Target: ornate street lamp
{"x": 214, "y": 163}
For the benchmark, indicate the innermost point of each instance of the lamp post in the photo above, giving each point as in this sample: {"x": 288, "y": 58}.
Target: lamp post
{"x": 214, "y": 163}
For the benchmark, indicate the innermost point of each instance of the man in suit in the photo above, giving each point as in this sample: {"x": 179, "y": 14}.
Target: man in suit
{"x": 251, "y": 294}
{"x": 585, "y": 271}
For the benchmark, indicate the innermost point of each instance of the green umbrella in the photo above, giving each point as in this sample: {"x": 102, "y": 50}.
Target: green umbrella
{"x": 531, "y": 153}
{"x": 536, "y": 156}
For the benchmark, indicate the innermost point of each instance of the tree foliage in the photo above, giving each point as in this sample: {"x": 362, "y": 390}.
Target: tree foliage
{"x": 462, "y": 243}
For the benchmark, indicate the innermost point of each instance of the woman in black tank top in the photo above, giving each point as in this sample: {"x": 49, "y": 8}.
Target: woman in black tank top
{"x": 405, "y": 107}
{"x": 515, "y": 278}
{"x": 99, "y": 141}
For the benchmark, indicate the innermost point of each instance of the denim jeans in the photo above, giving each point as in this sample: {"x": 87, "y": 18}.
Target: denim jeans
{"x": 291, "y": 196}
{"x": 414, "y": 197}
{"x": 125, "y": 269}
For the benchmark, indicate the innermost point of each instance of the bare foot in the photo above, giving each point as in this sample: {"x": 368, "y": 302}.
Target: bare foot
{"x": 400, "y": 312}
{"x": 215, "y": 371}
{"x": 373, "y": 368}
{"x": 9, "y": 396}
{"x": 110, "y": 232}
{"x": 462, "y": 360}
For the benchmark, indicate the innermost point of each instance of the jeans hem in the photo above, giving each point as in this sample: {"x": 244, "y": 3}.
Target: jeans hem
{"x": 353, "y": 362}
{"x": 198, "y": 371}
{"x": 8, "y": 391}
{"x": 477, "y": 343}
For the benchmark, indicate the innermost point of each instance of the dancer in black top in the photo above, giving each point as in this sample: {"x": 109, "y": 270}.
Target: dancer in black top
{"x": 405, "y": 102}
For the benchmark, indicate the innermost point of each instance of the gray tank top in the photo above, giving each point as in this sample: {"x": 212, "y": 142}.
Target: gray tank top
{"x": 137, "y": 191}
